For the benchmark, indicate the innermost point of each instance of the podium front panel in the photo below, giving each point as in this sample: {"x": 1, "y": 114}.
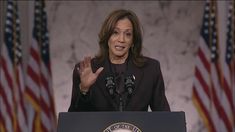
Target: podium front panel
{"x": 125, "y": 121}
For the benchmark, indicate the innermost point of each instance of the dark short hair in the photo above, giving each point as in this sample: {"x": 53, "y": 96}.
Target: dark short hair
{"x": 107, "y": 29}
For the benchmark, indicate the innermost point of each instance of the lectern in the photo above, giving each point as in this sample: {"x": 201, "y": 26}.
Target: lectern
{"x": 121, "y": 122}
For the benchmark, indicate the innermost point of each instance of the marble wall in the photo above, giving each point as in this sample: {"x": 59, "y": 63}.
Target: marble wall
{"x": 171, "y": 35}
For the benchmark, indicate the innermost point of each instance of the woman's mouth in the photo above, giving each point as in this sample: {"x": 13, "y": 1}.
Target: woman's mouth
{"x": 118, "y": 47}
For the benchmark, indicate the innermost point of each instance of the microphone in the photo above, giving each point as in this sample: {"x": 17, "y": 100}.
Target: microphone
{"x": 129, "y": 84}
{"x": 110, "y": 85}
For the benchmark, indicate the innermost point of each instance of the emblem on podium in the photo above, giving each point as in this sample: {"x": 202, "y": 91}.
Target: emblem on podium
{"x": 122, "y": 127}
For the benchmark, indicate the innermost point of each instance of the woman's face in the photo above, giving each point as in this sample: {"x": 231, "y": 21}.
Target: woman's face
{"x": 121, "y": 40}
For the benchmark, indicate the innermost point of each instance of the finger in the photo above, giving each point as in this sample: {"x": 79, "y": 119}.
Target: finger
{"x": 86, "y": 61}
{"x": 81, "y": 68}
{"x": 99, "y": 71}
{"x": 89, "y": 61}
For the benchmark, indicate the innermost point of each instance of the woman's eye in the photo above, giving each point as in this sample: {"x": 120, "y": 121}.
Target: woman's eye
{"x": 128, "y": 34}
{"x": 115, "y": 32}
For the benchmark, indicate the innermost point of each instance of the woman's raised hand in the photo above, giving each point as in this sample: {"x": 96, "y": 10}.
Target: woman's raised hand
{"x": 86, "y": 74}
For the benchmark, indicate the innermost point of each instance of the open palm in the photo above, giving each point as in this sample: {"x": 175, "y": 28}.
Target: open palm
{"x": 86, "y": 74}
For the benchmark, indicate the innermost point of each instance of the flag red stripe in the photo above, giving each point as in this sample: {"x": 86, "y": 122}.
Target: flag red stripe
{"x": 21, "y": 100}
{"x": 44, "y": 129}
{"x": 228, "y": 93}
{"x": 215, "y": 84}
{"x": 34, "y": 54}
{"x": 40, "y": 73}
{"x": 202, "y": 82}
{"x": 220, "y": 110}
{"x": 34, "y": 128}
{"x": 7, "y": 75}
{"x": 203, "y": 59}
{"x": 8, "y": 108}
{"x": 32, "y": 95}
{"x": 45, "y": 107}
{"x": 45, "y": 84}
{"x": 2, "y": 122}
{"x": 18, "y": 129}
{"x": 204, "y": 110}
{"x": 217, "y": 102}
{"x": 3, "y": 64}
{"x": 33, "y": 75}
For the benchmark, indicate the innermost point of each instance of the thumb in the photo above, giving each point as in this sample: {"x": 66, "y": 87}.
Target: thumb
{"x": 99, "y": 71}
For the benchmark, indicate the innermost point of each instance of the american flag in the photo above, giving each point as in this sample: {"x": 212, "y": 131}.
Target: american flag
{"x": 229, "y": 69}
{"x": 39, "y": 92}
{"x": 13, "y": 115}
{"x": 213, "y": 88}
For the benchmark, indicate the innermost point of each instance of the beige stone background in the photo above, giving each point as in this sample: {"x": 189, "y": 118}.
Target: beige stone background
{"x": 171, "y": 35}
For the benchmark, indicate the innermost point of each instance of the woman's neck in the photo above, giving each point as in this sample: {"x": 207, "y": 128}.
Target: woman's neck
{"x": 117, "y": 59}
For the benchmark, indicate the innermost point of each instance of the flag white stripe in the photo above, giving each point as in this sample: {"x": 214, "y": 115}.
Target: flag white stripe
{"x": 204, "y": 72}
{"x": 33, "y": 87}
{"x": 45, "y": 96}
{"x": 46, "y": 121}
{"x": 34, "y": 65}
{"x": 207, "y": 103}
{"x": 7, "y": 92}
{"x": 6, "y": 118}
{"x": 202, "y": 94}
{"x": 220, "y": 93}
{"x": 205, "y": 49}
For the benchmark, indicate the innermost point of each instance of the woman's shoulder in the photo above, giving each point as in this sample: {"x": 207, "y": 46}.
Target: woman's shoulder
{"x": 152, "y": 66}
{"x": 151, "y": 61}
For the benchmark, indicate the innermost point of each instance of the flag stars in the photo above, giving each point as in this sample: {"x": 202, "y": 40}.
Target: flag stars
{"x": 206, "y": 31}
{"x": 8, "y": 30}
{"x": 214, "y": 41}
{"x": 10, "y": 6}
{"x": 18, "y": 29}
{"x": 38, "y": 4}
{"x": 44, "y": 44}
{"x": 212, "y": 23}
{"x": 37, "y": 19}
{"x": 9, "y": 39}
{"x": 37, "y": 11}
{"x": 9, "y": 15}
{"x": 44, "y": 52}
{"x": 229, "y": 56}
{"x": 214, "y": 33}
{"x": 8, "y": 22}
{"x": 213, "y": 56}
{"x": 18, "y": 53}
{"x": 207, "y": 7}
{"x": 213, "y": 48}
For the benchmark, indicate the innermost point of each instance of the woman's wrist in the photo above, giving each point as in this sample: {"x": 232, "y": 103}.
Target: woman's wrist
{"x": 83, "y": 90}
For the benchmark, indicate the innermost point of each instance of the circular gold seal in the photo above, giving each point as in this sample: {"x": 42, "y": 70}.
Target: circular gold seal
{"x": 122, "y": 127}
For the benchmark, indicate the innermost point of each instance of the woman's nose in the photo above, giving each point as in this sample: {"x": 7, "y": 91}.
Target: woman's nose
{"x": 121, "y": 38}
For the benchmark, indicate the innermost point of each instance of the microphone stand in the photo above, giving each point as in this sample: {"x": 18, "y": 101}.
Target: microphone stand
{"x": 121, "y": 103}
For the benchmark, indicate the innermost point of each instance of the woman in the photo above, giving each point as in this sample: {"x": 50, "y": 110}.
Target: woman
{"x": 119, "y": 78}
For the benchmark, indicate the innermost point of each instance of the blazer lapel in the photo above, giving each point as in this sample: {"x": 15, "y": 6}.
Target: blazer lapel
{"x": 137, "y": 74}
